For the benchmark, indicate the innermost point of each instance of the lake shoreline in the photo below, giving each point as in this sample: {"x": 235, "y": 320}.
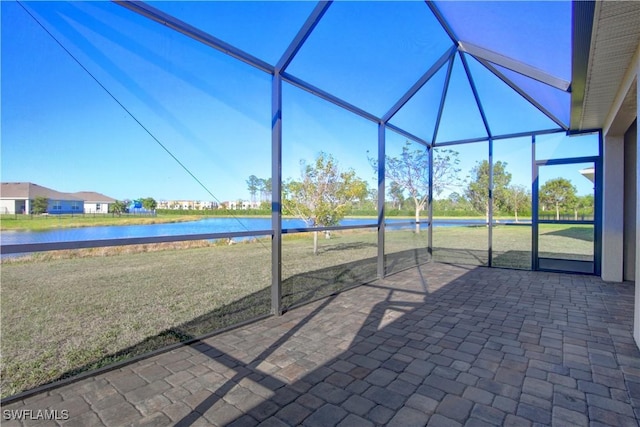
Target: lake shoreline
{"x": 208, "y": 226}
{"x": 49, "y": 223}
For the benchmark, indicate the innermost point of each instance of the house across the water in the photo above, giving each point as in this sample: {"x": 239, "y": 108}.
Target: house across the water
{"x": 18, "y": 198}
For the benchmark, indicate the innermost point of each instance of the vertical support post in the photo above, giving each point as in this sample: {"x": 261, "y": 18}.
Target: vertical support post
{"x": 597, "y": 214}
{"x": 612, "y": 208}
{"x": 430, "y": 198}
{"x": 636, "y": 305}
{"x": 381, "y": 191}
{"x": 534, "y": 206}
{"x": 490, "y": 218}
{"x": 276, "y": 195}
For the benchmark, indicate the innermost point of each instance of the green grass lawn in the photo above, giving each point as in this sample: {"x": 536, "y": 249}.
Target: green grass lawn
{"x": 73, "y": 311}
{"x": 512, "y": 244}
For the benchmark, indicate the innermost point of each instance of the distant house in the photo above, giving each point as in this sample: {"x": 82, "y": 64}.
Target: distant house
{"x": 95, "y": 202}
{"x": 18, "y": 197}
{"x": 186, "y": 205}
{"x": 208, "y": 205}
{"x": 239, "y": 205}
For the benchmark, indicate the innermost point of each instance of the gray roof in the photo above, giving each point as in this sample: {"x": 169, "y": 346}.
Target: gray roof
{"x": 29, "y": 190}
{"x": 93, "y": 197}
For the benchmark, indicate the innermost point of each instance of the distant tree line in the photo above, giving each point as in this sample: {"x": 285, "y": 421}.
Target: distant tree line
{"x": 259, "y": 186}
{"x": 120, "y": 207}
{"x": 325, "y": 193}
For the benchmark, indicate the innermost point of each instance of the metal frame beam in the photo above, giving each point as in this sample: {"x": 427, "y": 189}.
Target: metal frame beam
{"x": 430, "y": 207}
{"x": 514, "y": 65}
{"x": 534, "y": 206}
{"x": 381, "y": 198}
{"x": 276, "y": 195}
{"x": 328, "y": 97}
{"x": 408, "y": 135}
{"x": 102, "y": 243}
{"x": 311, "y": 22}
{"x": 522, "y": 93}
{"x": 599, "y": 208}
{"x": 419, "y": 84}
{"x": 475, "y": 94}
{"x": 497, "y": 137}
{"x": 566, "y": 161}
{"x": 474, "y": 89}
{"x": 490, "y": 225}
{"x": 443, "y": 22}
{"x": 443, "y": 98}
{"x": 182, "y": 27}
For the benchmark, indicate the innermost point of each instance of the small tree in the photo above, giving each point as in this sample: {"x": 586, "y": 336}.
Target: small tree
{"x": 263, "y": 186}
{"x": 371, "y": 201}
{"x": 559, "y": 193}
{"x": 583, "y": 203}
{"x": 588, "y": 203}
{"x": 410, "y": 171}
{"x": 40, "y": 205}
{"x": 118, "y": 207}
{"x": 266, "y": 184}
{"x": 518, "y": 197}
{"x": 445, "y": 171}
{"x": 149, "y": 203}
{"x": 324, "y": 194}
{"x": 253, "y": 184}
{"x": 396, "y": 193}
{"x": 478, "y": 188}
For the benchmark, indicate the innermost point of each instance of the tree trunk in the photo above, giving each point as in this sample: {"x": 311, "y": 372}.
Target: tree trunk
{"x": 516, "y": 212}
{"x": 417, "y": 219}
{"x": 486, "y": 214}
{"x": 557, "y": 212}
{"x": 575, "y": 214}
{"x": 315, "y": 243}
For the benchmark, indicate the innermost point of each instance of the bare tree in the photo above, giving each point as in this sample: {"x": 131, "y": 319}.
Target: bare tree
{"x": 324, "y": 194}
{"x": 410, "y": 171}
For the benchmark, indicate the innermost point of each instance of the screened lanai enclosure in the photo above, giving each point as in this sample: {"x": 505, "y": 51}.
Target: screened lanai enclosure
{"x": 448, "y": 127}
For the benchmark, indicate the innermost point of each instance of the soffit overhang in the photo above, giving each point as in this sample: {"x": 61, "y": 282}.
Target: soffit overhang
{"x": 611, "y": 30}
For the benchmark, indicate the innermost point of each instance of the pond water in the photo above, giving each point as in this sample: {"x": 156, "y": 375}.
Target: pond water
{"x": 204, "y": 226}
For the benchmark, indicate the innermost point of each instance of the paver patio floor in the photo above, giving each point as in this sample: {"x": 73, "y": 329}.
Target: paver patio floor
{"x": 438, "y": 345}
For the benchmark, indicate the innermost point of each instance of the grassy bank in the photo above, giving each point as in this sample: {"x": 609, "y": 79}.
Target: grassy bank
{"x": 51, "y": 222}
{"x": 71, "y": 311}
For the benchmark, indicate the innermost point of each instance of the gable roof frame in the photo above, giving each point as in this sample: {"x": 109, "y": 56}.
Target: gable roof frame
{"x": 443, "y": 98}
{"x": 485, "y": 56}
{"x": 488, "y": 65}
{"x": 420, "y": 83}
{"x": 514, "y": 65}
{"x": 303, "y": 34}
{"x": 474, "y": 89}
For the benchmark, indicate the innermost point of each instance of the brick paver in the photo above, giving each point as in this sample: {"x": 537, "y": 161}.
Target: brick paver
{"x": 441, "y": 345}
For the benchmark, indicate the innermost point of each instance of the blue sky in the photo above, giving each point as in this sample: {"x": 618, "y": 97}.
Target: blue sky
{"x": 62, "y": 130}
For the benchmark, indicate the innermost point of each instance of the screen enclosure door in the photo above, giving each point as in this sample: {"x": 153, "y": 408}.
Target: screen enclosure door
{"x": 564, "y": 215}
